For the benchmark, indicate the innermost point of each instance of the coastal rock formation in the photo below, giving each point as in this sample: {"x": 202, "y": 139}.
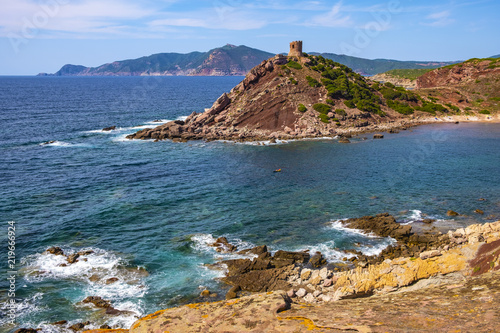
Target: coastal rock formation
{"x": 294, "y": 97}
{"x": 438, "y": 287}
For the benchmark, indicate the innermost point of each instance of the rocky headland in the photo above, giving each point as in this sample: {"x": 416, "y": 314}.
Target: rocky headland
{"x": 285, "y": 98}
{"x": 294, "y": 98}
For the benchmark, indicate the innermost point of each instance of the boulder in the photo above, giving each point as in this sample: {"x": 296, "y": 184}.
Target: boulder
{"x": 258, "y": 250}
{"x": 55, "y": 251}
{"x": 72, "y": 258}
{"x": 452, "y": 213}
{"x": 301, "y": 292}
{"x": 429, "y": 254}
{"x": 110, "y": 128}
{"x": 317, "y": 260}
{"x": 378, "y": 136}
{"x": 232, "y": 293}
{"x": 222, "y": 245}
{"x": 297, "y": 257}
{"x": 97, "y": 301}
{"x": 479, "y": 211}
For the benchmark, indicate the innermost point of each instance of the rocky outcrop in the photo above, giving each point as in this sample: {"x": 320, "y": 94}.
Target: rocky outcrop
{"x": 463, "y": 73}
{"x": 408, "y": 294}
{"x": 283, "y": 98}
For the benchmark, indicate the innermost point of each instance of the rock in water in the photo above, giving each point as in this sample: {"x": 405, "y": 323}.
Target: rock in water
{"x": 55, "y": 251}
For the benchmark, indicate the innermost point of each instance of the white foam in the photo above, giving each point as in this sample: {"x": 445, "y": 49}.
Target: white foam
{"x": 338, "y": 225}
{"x": 202, "y": 243}
{"x": 328, "y": 250}
{"x": 94, "y": 272}
{"x": 61, "y": 144}
{"x": 21, "y": 308}
{"x": 376, "y": 249}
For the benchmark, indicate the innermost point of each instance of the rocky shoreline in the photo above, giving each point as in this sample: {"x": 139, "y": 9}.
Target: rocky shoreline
{"x": 447, "y": 274}
{"x": 273, "y": 285}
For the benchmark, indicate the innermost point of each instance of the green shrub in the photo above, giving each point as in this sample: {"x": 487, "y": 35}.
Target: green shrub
{"x": 389, "y": 85}
{"x": 340, "y": 112}
{"x": 496, "y": 99}
{"x": 338, "y": 124}
{"x": 453, "y": 107}
{"x": 313, "y": 82}
{"x": 402, "y": 108}
{"x": 302, "y": 108}
{"x": 322, "y": 108}
{"x": 484, "y": 112}
{"x": 432, "y": 99}
{"x": 293, "y": 80}
{"x": 479, "y": 100}
{"x": 369, "y": 106}
{"x": 431, "y": 108}
{"x": 330, "y": 101}
{"x": 324, "y": 118}
{"x": 467, "y": 108}
{"x": 294, "y": 65}
{"x": 350, "y": 104}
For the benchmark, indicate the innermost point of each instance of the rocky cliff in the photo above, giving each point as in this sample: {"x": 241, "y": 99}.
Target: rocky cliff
{"x": 473, "y": 86}
{"x": 287, "y": 98}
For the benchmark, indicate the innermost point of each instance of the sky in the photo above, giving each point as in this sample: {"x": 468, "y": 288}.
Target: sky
{"x": 43, "y": 35}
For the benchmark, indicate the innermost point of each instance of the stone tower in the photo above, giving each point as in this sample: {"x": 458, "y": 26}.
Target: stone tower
{"x": 295, "y": 49}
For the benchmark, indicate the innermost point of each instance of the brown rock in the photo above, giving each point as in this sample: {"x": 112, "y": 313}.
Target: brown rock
{"x": 55, "y": 251}
{"x": 26, "y": 330}
{"x": 233, "y": 292}
{"x": 97, "y": 301}
{"x": 205, "y": 293}
{"x": 452, "y": 213}
{"x": 258, "y": 250}
{"x": 109, "y": 128}
{"x": 111, "y": 280}
{"x": 317, "y": 260}
{"x": 378, "y": 136}
{"x": 479, "y": 211}
{"x": 223, "y": 244}
{"x": 262, "y": 280}
{"x": 72, "y": 258}
{"x": 298, "y": 257}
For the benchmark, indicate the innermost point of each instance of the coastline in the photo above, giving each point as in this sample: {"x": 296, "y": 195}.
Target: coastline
{"x": 459, "y": 281}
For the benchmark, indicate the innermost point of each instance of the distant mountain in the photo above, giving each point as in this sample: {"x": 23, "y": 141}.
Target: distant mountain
{"x": 225, "y": 61}
{"x": 376, "y": 66}
{"x": 495, "y": 56}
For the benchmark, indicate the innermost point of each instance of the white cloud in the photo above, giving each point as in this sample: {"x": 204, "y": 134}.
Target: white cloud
{"x": 331, "y": 19}
{"x": 439, "y": 19}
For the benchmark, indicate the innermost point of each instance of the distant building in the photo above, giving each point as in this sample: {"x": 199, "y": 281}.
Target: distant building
{"x": 296, "y": 49}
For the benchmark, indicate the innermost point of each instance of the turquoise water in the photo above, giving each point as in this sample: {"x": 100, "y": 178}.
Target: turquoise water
{"x": 154, "y": 207}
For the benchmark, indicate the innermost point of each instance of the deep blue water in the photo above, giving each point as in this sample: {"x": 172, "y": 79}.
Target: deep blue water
{"x": 140, "y": 204}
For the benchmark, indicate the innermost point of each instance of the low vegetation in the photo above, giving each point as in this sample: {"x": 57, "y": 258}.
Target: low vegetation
{"x": 410, "y": 74}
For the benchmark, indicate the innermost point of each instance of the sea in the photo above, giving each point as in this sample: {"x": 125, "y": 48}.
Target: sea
{"x": 148, "y": 211}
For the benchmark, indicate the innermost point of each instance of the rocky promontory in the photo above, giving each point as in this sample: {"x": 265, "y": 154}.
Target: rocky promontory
{"x": 298, "y": 97}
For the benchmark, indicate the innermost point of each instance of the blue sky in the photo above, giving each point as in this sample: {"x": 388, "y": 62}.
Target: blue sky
{"x": 42, "y": 35}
